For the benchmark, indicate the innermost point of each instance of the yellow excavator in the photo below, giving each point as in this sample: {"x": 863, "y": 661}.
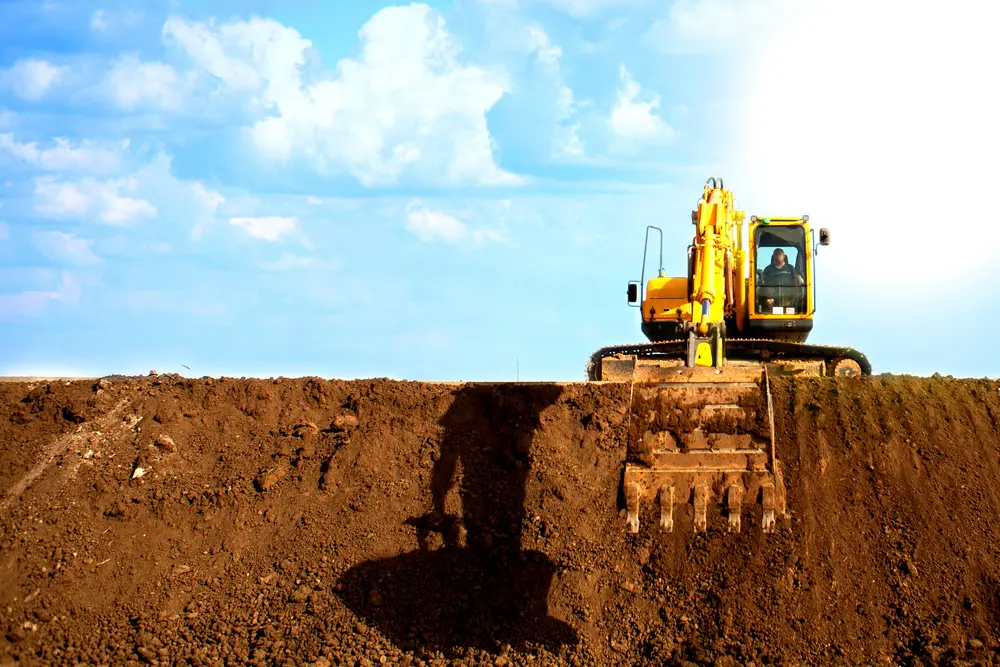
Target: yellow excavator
{"x": 701, "y": 420}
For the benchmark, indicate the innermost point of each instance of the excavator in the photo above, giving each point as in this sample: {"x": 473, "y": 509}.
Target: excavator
{"x": 701, "y": 417}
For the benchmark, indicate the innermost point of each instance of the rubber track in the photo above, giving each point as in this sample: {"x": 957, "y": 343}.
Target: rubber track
{"x": 760, "y": 349}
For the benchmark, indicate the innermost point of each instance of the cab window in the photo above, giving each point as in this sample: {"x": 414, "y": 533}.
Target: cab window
{"x": 781, "y": 272}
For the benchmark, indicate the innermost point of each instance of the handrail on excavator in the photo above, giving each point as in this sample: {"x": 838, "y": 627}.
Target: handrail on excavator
{"x": 645, "y": 247}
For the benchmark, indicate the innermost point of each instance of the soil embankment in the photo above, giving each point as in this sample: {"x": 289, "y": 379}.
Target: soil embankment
{"x": 165, "y": 520}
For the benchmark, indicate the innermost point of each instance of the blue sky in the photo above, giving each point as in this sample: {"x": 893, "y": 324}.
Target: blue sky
{"x": 431, "y": 191}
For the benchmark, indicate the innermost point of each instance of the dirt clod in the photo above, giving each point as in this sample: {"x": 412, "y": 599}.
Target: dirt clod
{"x": 270, "y": 477}
{"x": 344, "y": 422}
{"x": 166, "y": 443}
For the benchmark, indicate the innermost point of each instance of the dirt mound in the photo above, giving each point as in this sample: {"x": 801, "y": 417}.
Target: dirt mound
{"x": 166, "y": 520}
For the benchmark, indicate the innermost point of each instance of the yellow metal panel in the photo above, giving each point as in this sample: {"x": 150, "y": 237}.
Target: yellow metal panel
{"x": 667, "y": 288}
{"x": 664, "y": 296}
{"x": 703, "y": 355}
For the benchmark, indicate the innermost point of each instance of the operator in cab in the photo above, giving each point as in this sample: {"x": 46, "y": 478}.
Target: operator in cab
{"x": 776, "y": 275}
{"x": 780, "y": 272}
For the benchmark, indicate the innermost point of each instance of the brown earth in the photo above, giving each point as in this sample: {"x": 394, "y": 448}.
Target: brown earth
{"x": 301, "y": 522}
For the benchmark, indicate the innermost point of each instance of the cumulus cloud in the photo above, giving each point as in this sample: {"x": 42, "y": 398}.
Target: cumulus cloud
{"x": 32, "y": 78}
{"x": 209, "y": 202}
{"x": 108, "y": 201}
{"x": 549, "y": 55}
{"x": 569, "y": 142}
{"x": 270, "y": 228}
{"x": 279, "y": 49}
{"x": 66, "y": 248}
{"x": 135, "y": 84}
{"x": 634, "y": 119}
{"x": 64, "y": 155}
{"x": 405, "y": 104}
{"x": 429, "y": 225}
{"x": 151, "y": 191}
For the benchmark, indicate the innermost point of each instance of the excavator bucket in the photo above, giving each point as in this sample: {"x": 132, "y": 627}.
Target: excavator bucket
{"x": 700, "y": 439}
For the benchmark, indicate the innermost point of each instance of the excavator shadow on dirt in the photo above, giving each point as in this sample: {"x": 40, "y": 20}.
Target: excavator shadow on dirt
{"x": 480, "y": 589}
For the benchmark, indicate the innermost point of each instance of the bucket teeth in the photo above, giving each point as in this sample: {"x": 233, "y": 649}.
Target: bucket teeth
{"x": 700, "y": 507}
{"x": 632, "y": 494}
{"x": 768, "y": 501}
{"x": 734, "y": 506}
{"x": 667, "y": 508}
{"x": 698, "y": 440}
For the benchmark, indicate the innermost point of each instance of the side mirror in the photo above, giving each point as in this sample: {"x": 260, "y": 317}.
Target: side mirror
{"x": 633, "y": 293}
{"x": 824, "y": 236}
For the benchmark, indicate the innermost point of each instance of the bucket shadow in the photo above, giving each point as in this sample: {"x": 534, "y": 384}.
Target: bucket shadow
{"x": 479, "y": 590}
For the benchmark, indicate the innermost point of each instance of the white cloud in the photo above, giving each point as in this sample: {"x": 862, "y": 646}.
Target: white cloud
{"x": 134, "y": 84}
{"x": 883, "y": 142}
{"x": 98, "y": 20}
{"x": 291, "y": 262}
{"x": 31, "y": 79}
{"x": 570, "y": 144}
{"x": 587, "y": 8}
{"x": 267, "y": 228}
{"x": 4, "y": 231}
{"x": 209, "y": 201}
{"x": 88, "y": 197}
{"x": 405, "y": 104}
{"x": 702, "y": 26}
{"x": 66, "y": 248}
{"x": 540, "y": 44}
{"x": 152, "y": 191}
{"x": 60, "y": 199}
{"x": 64, "y": 156}
{"x": 549, "y": 55}
{"x": 274, "y": 44}
{"x": 104, "y": 21}
{"x": 429, "y": 225}
{"x": 32, "y": 303}
{"x": 123, "y": 210}
{"x": 482, "y": 235}
{"x": 634, "y": 119}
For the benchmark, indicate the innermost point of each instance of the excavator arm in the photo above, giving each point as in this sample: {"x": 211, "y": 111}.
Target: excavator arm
{"x": 719, "y": 290}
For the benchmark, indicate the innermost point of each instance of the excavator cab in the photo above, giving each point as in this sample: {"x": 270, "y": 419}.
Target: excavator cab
{"x": 782, "y": 287}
